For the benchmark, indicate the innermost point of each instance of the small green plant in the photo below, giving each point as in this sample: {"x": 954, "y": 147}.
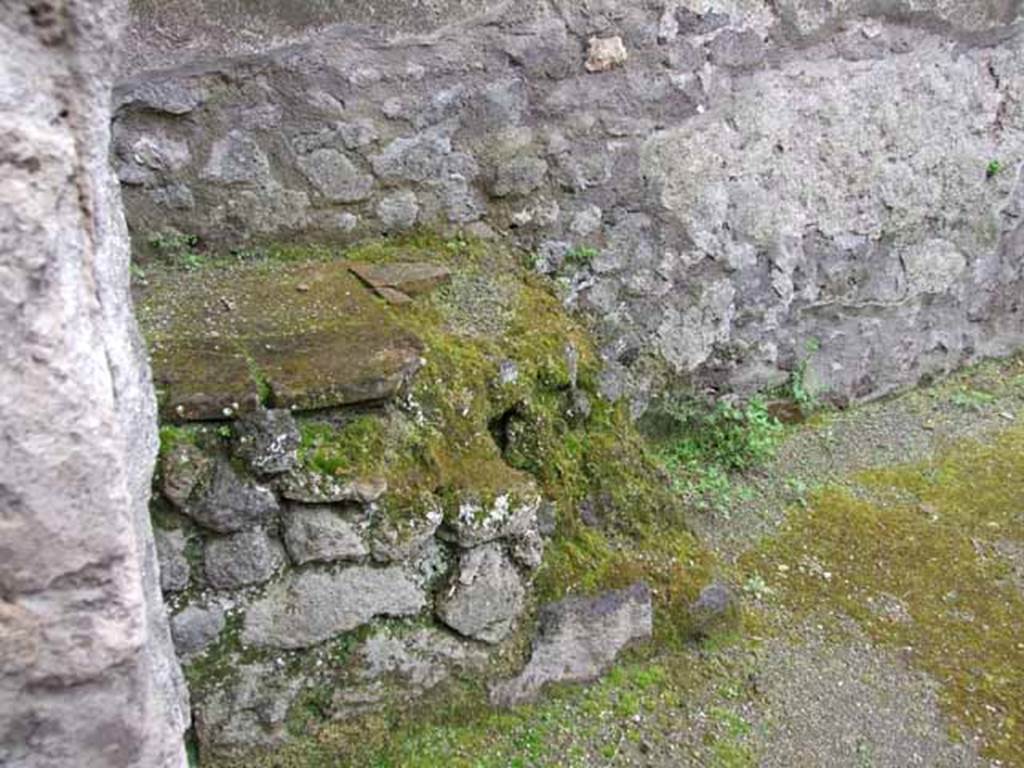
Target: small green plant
{"x": 993, "y": 169}
{"x": 798, "y": 490}
{"x": 705, "y": 444}
{"x": 456, "y": 244}
{"x": 192, "y": 749}
{"x": 733, "y": 437}
{"x": 138, "y": 274}
{"x": 709, "y": 484}
{"x": 757, "y": 587}
{"x": 864, "y": 755}
{"x": 259, "y": 377}
{"x": 972, "y": 399}
{"x": 797, "y": 385}
{"x": 177, "y": 248}
{"x": 340, "y": 649}
{"x": 796, "y": 388}
{"x": 580, "y": 256}
{"x": 529, "y": 260}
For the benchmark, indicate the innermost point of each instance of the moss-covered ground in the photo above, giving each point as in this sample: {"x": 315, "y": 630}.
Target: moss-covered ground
{"x": 883, "y": 622}
{"x": 624, "y": 719}
{"x": 920, "y": 556}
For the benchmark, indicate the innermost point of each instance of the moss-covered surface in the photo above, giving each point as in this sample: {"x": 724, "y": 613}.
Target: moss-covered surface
{"x": 887, "y": 525}
{"x": 912, "y": 554}
{"x": 641, "y": 707}
{"x": 172, "y": 436}
{"x": 464, "y": 427}
{"x": 505, "y": 402}
{"x": 548, "y": 423}
{"x": 289, "y": 334}
{"x": 353, "y": 448}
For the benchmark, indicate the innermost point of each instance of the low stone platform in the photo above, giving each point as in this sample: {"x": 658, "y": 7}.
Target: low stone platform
{"x": 225, "y": 340}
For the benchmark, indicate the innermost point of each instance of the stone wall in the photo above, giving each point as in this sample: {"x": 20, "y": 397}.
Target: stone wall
{"x": 738, "y": 192}
{"x": 288, "y": 586}
{"x": 87, "y": 674}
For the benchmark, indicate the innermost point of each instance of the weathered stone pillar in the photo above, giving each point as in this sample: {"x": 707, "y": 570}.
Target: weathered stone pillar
{"x": 87, "y": 674}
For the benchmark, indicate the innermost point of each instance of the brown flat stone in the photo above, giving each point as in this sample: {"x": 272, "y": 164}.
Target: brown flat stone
{"x": 330, "y": 344}
{"x": 787, "y": 411}
{"x": 312, "y": 371}
{"x": 199, "y": 381}
{"x": 410, "y": 278}
{"x": 392, "y": 296}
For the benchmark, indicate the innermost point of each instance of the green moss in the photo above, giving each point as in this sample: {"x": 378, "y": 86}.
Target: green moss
{"x": 641, "y": 533}
{"x": 219, "y": 662}
{"x": 310, "y": 709}
{"x": 463, "y": 428}
{"x": 927, "y": 535}
{"x": 549, "y": 424}
{"x": 290, "y": 252}
{"x": 351, "y": 449}
{"x": 172, "y": 436}
{"x": 587, "y": 561}
{"x": 728, "y": 739}
{"x": 422, "y": 245}
{"x": 264, "y": 391}
{"x": 457, "y": 728}
{"x": 163, "y": 517}
{"x": 227, "y": 658}
{"x": 638, "y": 702}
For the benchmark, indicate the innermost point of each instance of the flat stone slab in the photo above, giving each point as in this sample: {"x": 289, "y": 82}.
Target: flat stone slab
{"x": 314, "y": 488}
{"x": 334, "y": 367}
{"x": 203, "y": 379}
{"x": 307, "y": 336}
{"x": 398, "y": 282}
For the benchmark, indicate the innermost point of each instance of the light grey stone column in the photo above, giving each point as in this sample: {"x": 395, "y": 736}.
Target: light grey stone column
{"x": 87, "y": 673}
